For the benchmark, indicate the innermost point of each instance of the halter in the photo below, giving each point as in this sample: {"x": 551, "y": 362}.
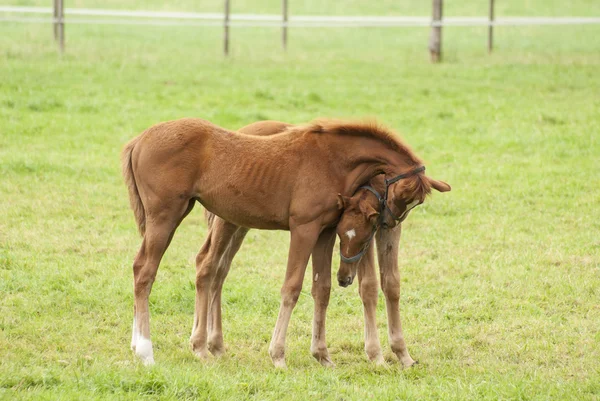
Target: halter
{"x": 389, "y": 182}
{"x": 383, "y": 208}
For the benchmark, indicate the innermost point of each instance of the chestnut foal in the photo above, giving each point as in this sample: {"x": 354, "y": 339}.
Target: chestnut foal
{"x": 360, "y": 220}
{"x": 287, "y": 181}
{"x": 386, "y": 230}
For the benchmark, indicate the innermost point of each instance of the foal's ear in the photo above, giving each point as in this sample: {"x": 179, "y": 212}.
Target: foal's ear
{"x": 440, "y": 186}
{"x": 342, "y": 201}
{"x": 369, "y": 212}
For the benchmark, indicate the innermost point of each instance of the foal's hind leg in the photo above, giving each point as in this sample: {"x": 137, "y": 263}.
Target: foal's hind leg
{"x": 161, "y": 222}
{"x": 387, "y": 254}
{"x": 321, "y": 289}
{"x": 207, "y": 278}
{"x": 215, "y": 328}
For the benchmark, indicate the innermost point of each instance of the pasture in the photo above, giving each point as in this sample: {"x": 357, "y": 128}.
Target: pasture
{"x": 501, "y": 276}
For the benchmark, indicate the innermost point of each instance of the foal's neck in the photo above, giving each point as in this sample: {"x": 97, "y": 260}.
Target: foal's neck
{"x": 363, "y": 159}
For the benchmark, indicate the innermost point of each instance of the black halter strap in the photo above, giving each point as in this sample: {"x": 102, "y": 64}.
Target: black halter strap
{"x": 401, "y": 176}
{"x": 383, "y": 207}
{"x": 360, "y": 254}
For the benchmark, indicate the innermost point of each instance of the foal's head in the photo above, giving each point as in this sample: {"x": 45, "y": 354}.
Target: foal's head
{"x": 356, "y": 229}
{"x": 408, "y": 193}
{"x": 364, "y": 214}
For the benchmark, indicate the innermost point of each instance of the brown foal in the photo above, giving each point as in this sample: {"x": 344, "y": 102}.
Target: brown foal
{"x": 356, "y": 228}
{"x": 358, "y": 220}
{"x": 289, "y": 181}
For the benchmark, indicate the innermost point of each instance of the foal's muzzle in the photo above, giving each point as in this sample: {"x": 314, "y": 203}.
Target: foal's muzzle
{"x": 346, "y": 281}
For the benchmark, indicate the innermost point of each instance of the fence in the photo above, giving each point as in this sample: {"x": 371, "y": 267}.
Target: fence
{"x": 56, "y": 16}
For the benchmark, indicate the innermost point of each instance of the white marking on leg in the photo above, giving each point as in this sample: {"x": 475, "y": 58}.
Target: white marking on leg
{"x": 134, "y": 335}
{"x": 316, "y": 277}
{"x": 194, "y": 325}
{"x": 350, "y": 234}
{"x": 144, "y": 350}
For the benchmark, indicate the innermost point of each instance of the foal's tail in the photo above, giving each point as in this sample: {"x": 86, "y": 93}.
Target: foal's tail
{"x": 134, "y": 196}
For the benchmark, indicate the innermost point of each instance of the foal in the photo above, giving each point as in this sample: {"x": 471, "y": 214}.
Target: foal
{"x": 356, "y": 220}
{"x": 356, "y": 228}
{"x": 288, "y": 181}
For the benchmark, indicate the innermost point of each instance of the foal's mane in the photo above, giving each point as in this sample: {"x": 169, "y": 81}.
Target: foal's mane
{"x": 414, "y": 187}
{"x": 369, "y": 129}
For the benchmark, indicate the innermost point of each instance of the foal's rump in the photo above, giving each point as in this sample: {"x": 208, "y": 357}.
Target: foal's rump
{"x": 162, "y": 162}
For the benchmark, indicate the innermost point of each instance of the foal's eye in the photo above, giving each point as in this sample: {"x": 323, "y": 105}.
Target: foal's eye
{"x": 411, "y": 205}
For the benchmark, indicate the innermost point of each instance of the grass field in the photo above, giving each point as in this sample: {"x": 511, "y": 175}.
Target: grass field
{"x": 501, "y": 276}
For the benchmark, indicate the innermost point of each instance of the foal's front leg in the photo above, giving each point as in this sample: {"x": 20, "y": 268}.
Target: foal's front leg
{"x": 387, "y": 254}
{"x": 303, "y": 240}
{"x": 368, "y": 288}
{"x": 321, "y": 289}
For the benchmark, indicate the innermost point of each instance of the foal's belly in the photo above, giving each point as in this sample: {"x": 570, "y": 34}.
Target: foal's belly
{"x": 249, "y": 217}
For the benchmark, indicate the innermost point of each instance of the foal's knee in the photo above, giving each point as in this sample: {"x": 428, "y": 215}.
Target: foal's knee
{"x": 143, "y": 282}
{"x": 143, "y": 275}
{"x": 290, "y": 294}
{"x": 321, "y": 289}
{"x": 368, "y": 290}
{"x": 391, "y": 289}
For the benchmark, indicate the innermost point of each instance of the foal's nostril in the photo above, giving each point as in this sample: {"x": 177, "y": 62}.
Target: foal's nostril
{"x": 345, "y": 282}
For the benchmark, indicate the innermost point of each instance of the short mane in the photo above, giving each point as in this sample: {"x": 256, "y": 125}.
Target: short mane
{"x": 370, "y": 129}
{"x": 416, "y": 187}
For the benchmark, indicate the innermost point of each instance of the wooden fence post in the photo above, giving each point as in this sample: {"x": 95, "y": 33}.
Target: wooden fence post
{"x": 284, "y": 7}
{"x": 491, "y": 28}
{"x": 61, "y": 25}
{"x": 55, "y": 21}
{"x": 226, "y": 27}
{"x": 435, "y": 39}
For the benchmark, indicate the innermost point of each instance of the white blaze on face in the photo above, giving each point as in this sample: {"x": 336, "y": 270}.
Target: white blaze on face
{"x": 350, "y": 234}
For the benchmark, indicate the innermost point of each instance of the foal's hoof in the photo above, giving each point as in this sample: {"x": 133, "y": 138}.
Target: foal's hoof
{"x": 277, "y": 355}
{"x": 202, "y": 354}
{"x": 326, "y": 362}
{"x": 148, "y": 361}
{"x": 323, "y": 358}
{"x": 279, "y": 363}
{"x": 143, "y": 350}
{"x": 409, "y": 362}
{"x": 379, "y": 361}
{"x": 216, "y": 351}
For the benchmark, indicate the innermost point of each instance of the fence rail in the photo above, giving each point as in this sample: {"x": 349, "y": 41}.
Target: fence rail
{"x": 56, "y": 16}
{"x": 274, "y": 20}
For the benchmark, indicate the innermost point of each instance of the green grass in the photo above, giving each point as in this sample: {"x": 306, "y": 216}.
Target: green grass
{"x": 500, "y": 276}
